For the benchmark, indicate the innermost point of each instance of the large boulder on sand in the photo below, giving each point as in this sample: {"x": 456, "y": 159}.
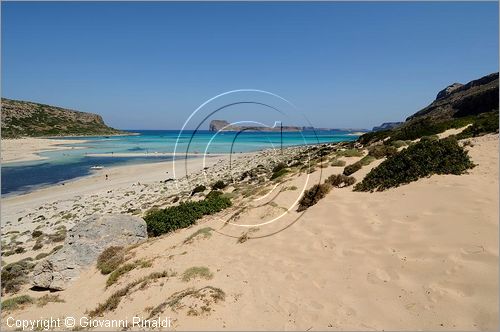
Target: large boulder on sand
{"x": 83, "y": 244}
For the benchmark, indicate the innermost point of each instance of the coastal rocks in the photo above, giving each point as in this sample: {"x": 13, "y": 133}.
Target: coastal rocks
{"x": 85, "y": 241}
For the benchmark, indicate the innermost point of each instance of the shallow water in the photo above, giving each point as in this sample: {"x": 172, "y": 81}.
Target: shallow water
{"x": 69, "y": 164}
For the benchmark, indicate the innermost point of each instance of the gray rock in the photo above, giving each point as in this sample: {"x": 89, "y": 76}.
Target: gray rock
{"x": 83, "y": 244}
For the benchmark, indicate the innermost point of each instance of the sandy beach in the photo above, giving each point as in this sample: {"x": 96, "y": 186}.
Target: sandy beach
{"x": 400, "y": 259}
{"x": 28, "y": 148}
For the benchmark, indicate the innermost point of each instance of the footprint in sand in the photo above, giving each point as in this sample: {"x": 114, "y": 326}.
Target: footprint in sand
{"x": 379, "y": 276}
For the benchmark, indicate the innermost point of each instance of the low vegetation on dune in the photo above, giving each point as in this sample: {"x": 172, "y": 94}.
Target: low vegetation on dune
{"x": 318, "y": 191}
{"x": 124, "y": 269}
{"x": 353, "y": 168}
{"x": 379, "y": 151}
{"x": 279, "y": 170}
{"x": 204, "y": 232}
{"x": 199, "y": 301}
{"x": 219, "y": 185}
{"x": 422, "y": 159}
{"x": 20, "y": 301}
{"x": 114, "y": 300}
{"x": 479, "y": 125}
{"x": 340, "y": 180}
{"x": 337, "y": 163}
{"x": 485, "y": 123}
{"x": 161, "y": 221}
{"x": 313, "y": 195}
{"x": 349, "y": 153}
{"x": 196, "y": 272}
{"x": 198, "y": 189}
{"x": 110, "y": 259}
{"x": 17, "y": 302}
{"x": 15, "y": 275}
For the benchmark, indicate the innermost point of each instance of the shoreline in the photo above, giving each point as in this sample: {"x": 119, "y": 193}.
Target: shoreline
{"x": 28, "y": 148}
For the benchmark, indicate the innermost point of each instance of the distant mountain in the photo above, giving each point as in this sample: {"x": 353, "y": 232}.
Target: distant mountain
{"x": 223, "y": 125}
{"x": 458, "y": 100}
{"x": 24, "y": 118}
{"x": 386, "y": 126}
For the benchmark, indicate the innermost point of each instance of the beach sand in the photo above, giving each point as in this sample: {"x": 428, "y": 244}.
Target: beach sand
{"x": 27, "y": 149}
{"x": 423, "y": 256}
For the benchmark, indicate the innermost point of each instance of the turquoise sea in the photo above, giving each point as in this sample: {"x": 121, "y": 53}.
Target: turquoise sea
{"x": 146, "y": 147}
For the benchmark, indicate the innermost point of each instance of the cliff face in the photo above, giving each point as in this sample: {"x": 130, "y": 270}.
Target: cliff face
{"x": 459, "y": 100}
{"x": 23, "y": 118}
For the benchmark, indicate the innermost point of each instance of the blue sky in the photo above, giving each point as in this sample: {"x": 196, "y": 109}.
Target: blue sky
{"x": 149, "y": 65}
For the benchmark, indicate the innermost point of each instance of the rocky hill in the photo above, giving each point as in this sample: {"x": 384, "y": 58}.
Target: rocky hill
{"x": 458, "y": 100}
{"x": 24, "y": 118}
{"x": 386, "y": 126}
{"x": 457, "y": 105}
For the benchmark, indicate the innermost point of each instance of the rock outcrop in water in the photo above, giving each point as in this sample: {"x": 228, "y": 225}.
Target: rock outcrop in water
{"x": 223, "y": 125}
{"x": 85, "y": 241}
{"x": 24, "y": 118}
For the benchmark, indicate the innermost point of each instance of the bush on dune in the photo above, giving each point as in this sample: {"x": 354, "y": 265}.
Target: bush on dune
{"x": 353, "y": 168}
{"x": 219, "y": 184}
{"x": 485, "y": 123}
{"x": 185, "y": 214}
{"x": 381, "y": 150}
{"x": 338, "y": 163}
{"x": 198, "y": 189}
{"x": 340, "y": 180}
{"x": 110, "y": 259}
{"x": 313, "y": 195}
{"x": 15, "y": 275}
{"x": 419, "y": 160}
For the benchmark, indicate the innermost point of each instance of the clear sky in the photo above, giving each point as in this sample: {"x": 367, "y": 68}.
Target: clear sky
{"x": 149, "y": 65}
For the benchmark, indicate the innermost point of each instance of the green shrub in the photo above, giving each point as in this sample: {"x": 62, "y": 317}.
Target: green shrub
{"x": 279, "y": 173}
{"x": 124, "y": 269}
{"x": 349, "y": 153}
{"x": 16, "y": 302}
{"x": 419, "y": 160}
{"x": 47, "y": 298}
{"x": 337, "y": 163}
{"x": 351, "y": 169}
{"x": 110, "y": 259}
{"x": 313, "y": 195}
{"x": 427, "y": 127}
{"x": 340, "y": 180}
{"x": 399, "y": 143}
{"x": 381, "y": 150}
{"x": 374, "y": 136}
{"x": 430, "y": 138}
{"x": 42, "y": 255}
{"x": 36, "y": 234}
{"x": 15, "y": 275}
{"x": 367, "y": 160}
{"x": 219, "y": 184}
{"x": 196, "y": 272}
{"x": 279, "y": 167}
{"x": 485, "y": 123}
{"x": 198, "y": 189}
{"x": 185, "y": 214}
